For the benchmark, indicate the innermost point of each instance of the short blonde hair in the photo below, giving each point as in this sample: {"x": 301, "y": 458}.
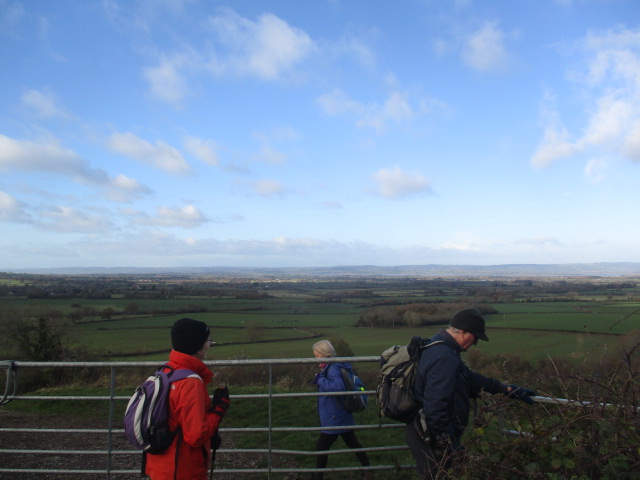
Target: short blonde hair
{"x": 324, "y": 348}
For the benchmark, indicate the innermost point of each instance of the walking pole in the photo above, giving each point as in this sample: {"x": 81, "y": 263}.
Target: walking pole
{"x": 215, "y": 444}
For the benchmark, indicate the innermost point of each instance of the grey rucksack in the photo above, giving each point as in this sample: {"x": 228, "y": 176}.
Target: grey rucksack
{"x": 394, "y": 393}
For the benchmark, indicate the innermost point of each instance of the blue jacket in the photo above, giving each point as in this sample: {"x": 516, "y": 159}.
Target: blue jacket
{"x": 444, "y": 385}
{"x": 330, "y": 408}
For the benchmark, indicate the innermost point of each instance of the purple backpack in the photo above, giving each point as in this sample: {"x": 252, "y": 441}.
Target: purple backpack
{"x": 145, "y": 420}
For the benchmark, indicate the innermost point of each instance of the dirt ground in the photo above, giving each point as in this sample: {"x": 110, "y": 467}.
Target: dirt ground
{"x": 76, "y": 442}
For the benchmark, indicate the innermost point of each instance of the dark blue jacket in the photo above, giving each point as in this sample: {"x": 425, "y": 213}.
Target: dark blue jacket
{"x": 330, "y": 408}
{"x": 444, "y": 385}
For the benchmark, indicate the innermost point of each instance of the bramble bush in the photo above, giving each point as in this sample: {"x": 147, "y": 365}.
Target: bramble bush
{"x": 597, "y": 436}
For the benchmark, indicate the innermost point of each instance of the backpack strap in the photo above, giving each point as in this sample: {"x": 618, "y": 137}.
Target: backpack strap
{"x": 178, "y": 373}
{"x": 431, "y": 344}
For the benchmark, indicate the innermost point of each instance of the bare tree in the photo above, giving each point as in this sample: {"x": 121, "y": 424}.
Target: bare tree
{"x": 255, "y": 330}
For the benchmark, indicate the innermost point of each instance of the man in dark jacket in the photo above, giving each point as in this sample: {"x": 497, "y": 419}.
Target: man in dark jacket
{"x": 444, "y": 385}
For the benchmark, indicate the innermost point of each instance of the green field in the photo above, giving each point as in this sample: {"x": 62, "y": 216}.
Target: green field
{"x": 128, "y": 318}
{"x": 540, "y": 331}
{"x": 260, "y": 319}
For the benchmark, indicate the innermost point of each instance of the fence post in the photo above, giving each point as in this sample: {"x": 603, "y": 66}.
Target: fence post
{"x": 112, "y": 394}
{"x": 270, "y": 419}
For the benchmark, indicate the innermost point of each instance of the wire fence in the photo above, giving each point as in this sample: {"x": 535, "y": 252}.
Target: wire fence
{"x": 113, "y": 447}
{"x": 119, "y": 461}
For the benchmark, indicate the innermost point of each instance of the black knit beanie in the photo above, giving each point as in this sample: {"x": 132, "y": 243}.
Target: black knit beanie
{"x": 470, "y": 320}
{"x": 188, "y": 335}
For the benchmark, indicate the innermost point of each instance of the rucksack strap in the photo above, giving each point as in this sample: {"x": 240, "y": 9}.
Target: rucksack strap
{"x": 414, "y": 347}
{"x": 429, "y": 343}
{"x": 175, "y": 374}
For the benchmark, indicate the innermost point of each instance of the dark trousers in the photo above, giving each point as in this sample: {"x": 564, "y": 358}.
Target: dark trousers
{"x": 325, "y": 440}
{"x": 429, "y": 464}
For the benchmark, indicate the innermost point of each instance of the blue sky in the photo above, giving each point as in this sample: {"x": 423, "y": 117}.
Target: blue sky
{"x": 318, "y": 133}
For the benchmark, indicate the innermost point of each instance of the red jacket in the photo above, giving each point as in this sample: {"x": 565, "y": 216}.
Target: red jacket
{"x": 189, "y": 405}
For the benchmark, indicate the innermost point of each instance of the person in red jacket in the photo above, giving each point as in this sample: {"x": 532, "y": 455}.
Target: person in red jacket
{"x": 191, "y": 410}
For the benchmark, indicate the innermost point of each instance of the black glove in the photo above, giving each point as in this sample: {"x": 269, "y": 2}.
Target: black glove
{"x": 220, "y": 401}
{"x": 316, "y": 378}
{"x": 521, "y": 393}
{"x": 216, "y": 441}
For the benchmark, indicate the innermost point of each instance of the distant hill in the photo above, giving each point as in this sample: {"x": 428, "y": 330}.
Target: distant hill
{"x": 509, "y": 270}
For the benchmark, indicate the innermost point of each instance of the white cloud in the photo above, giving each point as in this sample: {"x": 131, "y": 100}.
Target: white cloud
{"x": 128, "y": 184}
{"x": 337, "y": 102}
{"x": 280, "y": 135}
{"x": 11, "y": 210}
{"x": 205, "y": 150}
{"x": 595, "y": 169}
{"x": 613, "y": 57}
{"x": 396, "y": 108}
{"x": 270, "y": 155}
{"x": 138, "y": 248}
{"x": 48, "y": 156}
{"x": 185, "y": 217}
{"x": 441, "y": 47}
{"x": 268, "y": 188}
{"x": 140, "y": 17}
{"x": 554, "y": 146}
{"x": 356, "y": 48}
{"x": 611, "y": 76}
{"x": 395, "y": 183}
{"x": 167, "y": 79}
{"x": 267, "y": 48}
{"x": 277, "y": 133}
{"x": 44, "y": 103}
{"x": 485, "y": 50}
{"x": 161, "y": 155}
{"x": 609, "y": 121}
{"x": 11, "y": 14}
{"x": 64, "y": 219}
{"x": 188, "y": 216}
{"x": 123, "y": 188}
{"x": 538, "y": 242}
{"x": 631, "y": 145}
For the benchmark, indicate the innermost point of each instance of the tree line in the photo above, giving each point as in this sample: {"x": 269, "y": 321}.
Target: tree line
{"x": 413, "y": 314}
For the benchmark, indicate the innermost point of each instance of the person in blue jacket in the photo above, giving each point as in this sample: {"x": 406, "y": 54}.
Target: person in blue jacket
{"x": 331, "y": 410}
{"x": 444, "y": 385}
